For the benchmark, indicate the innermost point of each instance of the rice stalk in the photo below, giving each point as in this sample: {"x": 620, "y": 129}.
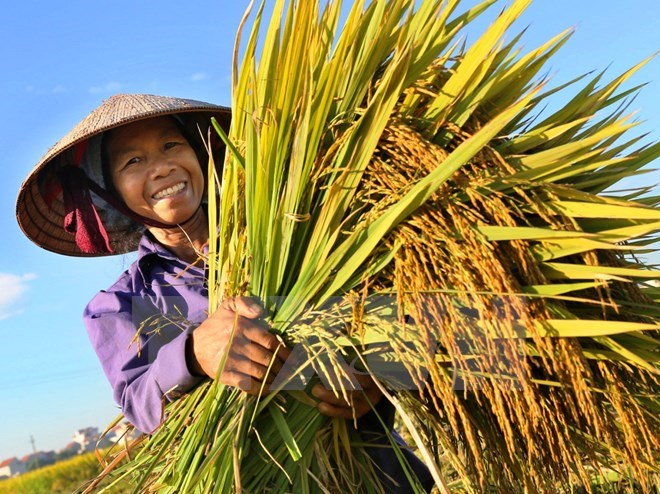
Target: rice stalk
{"x": 401, "y": 206}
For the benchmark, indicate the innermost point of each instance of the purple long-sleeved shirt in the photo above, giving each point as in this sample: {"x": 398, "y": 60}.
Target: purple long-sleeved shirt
{"x": 143, "y": 353}
{"x": 143, "y": 369}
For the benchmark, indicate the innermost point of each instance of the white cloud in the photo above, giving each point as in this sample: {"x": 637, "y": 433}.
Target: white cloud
{"x": 12, "y": 288}
{"x": 41, "y": 91}
{"x": 199, "y": 76}
{"x": 110, "y": 87}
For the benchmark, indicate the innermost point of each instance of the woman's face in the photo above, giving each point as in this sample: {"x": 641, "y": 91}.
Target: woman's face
{"x": 154, "y": 170}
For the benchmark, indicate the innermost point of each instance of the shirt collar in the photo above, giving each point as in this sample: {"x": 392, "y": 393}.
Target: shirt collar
{"x": 149, "y": 249}
{"x": 149, "y": 246}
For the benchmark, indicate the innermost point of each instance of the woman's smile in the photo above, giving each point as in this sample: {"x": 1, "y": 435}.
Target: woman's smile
{"x": 169, "y": 191}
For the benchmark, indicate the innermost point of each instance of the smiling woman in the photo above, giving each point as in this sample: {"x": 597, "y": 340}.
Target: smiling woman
{"x": 134, "y": 166}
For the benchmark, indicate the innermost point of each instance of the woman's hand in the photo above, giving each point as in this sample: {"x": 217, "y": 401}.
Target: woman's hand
{"x": 359, "y": 403}
{"x": 250, "y": 353}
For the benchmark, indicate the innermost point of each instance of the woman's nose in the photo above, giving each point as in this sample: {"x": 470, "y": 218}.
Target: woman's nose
{"x": 160, "y": 167}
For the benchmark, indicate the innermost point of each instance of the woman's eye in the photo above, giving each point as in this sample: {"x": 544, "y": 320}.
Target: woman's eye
{"x": 131, "y": 161}
{"x": 170, "y": 145}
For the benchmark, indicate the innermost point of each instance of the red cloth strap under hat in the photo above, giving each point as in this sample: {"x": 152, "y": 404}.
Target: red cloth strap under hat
{"x": 80, "y": 217}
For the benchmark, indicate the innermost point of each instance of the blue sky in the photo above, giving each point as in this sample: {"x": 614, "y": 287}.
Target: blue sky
{"x": 60, "y": 61}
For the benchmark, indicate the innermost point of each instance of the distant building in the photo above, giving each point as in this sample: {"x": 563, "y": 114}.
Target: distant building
{"x": 38, "y": 459}
{"x": 41, "y": 455}
{"x": 86, "y": 438}
{"x": 11, "y": 467}
{"x": 72, "y": 448}
{"x": 121, "y": 431}
{"x": 83, "y": 440}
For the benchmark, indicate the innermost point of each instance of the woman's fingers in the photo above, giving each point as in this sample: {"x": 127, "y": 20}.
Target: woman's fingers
{"x": 243, "y": 306}
{"x": 244, "y": 382}
{"x": 255, "y": 354}
{"x": 255, "y": 344}
{"x": 338, "y": 412}
{"x": 358, "y": 406}
{"x": 367, "y": 383}
{"x": 251, "y": 369}
{"x": 236, "y": 335}
{"x": 247, "y": 326}
{"x": 342, "y": 399}
{"x": 352, "y": 403}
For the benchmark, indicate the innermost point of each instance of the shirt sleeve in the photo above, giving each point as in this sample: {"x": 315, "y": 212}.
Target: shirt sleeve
{"x": 144, "y": 369}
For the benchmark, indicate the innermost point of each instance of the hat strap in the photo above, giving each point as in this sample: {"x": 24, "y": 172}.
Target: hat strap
{"x": 80, "y": 217}
{"x": 120, "y": 206}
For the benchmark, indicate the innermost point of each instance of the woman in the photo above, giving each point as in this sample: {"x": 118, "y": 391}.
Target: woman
{"x": 129, "y": 176}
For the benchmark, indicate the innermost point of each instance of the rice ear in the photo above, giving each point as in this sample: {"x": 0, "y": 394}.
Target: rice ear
{"x": 392, "y": 198}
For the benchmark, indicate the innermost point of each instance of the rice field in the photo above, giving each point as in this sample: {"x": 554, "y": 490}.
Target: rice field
{"x": 65, "y": 477}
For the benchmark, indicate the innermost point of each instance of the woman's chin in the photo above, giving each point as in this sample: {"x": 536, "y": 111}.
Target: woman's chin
{"x": 175, "y": 209}
{"x": 179, "y": 218}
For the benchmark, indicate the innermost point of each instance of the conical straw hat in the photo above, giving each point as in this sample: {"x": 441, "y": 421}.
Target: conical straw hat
{"x": 40, "y": 207}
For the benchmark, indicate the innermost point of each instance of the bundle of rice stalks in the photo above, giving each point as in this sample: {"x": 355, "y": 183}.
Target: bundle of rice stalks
{"x": 399, "y": 205}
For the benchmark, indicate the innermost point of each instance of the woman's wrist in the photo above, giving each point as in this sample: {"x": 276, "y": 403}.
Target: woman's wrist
{"x": 194, "y": 367}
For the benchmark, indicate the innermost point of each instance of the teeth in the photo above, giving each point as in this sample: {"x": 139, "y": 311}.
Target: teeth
{"x": 169, "y": 191}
